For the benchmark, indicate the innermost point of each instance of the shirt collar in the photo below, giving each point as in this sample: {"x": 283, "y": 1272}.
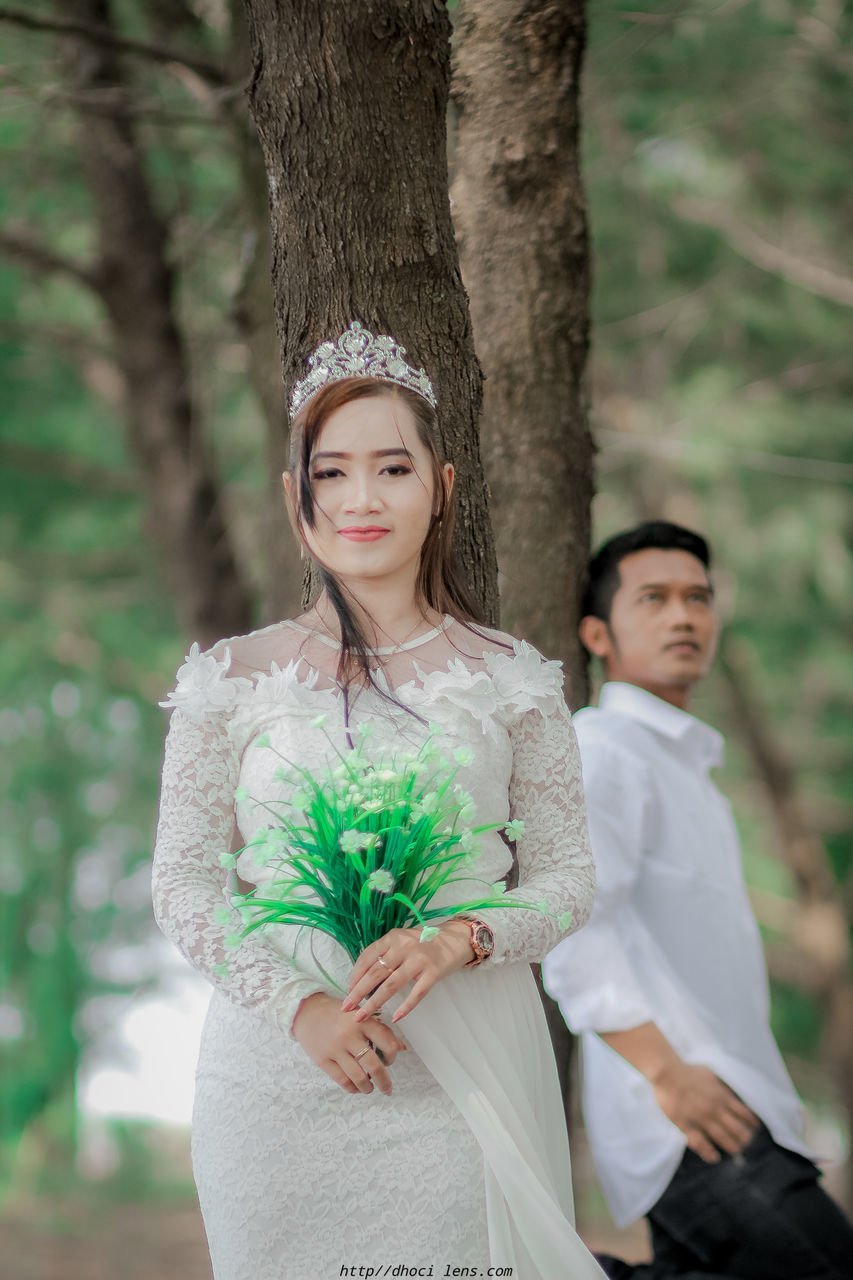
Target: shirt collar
{"x": 705, "y": 745}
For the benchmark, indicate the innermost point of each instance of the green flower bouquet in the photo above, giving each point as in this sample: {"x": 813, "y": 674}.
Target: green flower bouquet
{"x": 364, "y": 847}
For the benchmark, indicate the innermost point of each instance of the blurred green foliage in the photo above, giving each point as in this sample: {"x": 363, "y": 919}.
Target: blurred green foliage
{"x": 719, "y": 199}
{"x": 721, "y": 393}
{"x": 89, "y": 637}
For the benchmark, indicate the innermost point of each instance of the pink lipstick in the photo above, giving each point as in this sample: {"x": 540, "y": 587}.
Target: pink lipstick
{"x": 371, "y": 533}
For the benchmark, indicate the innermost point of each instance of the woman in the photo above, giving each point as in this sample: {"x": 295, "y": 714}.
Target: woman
{"x": 405, "y": 1113}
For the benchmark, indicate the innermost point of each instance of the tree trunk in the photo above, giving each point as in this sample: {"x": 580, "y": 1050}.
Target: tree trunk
{"x": 173, "y": 23}
{"x": 253, "y": 313}
{"x": 821, "y": 927}
{"x": 350, "y": 101}
{"x": 134, "y": 279}
{"x": 518, "y": 206}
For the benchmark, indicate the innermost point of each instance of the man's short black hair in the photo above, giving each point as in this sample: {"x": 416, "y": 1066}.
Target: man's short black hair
{"x": 603, "y": 578}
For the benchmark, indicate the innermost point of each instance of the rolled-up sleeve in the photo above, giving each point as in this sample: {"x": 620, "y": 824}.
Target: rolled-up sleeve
{"x": 590, "y": 974}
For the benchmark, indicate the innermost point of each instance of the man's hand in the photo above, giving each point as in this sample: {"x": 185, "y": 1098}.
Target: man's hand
{"x": 711, "y": 1117}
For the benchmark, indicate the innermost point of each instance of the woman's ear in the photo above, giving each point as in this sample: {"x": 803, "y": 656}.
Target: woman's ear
{"x": 288, "y": 480}
{"x": 448, "y": 475}
{"x": 289, "y": 484}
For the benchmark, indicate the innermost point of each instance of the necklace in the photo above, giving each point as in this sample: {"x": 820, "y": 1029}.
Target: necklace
{"x": 380, "y": 651}
{"x": 387, "y": 651}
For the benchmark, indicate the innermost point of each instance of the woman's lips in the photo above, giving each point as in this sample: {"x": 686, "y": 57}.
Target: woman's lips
{"x": 371, "y": 534}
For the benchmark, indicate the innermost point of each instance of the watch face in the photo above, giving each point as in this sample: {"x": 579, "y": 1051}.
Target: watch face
{"x": 485, "y": 941}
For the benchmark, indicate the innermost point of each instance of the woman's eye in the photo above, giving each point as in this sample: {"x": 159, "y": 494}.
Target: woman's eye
{"x": 397, "y": 469}
{"x": 328, "y": 474}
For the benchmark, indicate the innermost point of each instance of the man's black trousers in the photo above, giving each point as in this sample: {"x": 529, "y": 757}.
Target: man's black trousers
{"x": 758, "y": 1215}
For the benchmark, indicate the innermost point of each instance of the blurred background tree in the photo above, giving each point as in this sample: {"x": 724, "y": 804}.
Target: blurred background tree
{"x": 721, "y": 388}
{"x": 716, "y": 143}
{"x": 132, "y": 511}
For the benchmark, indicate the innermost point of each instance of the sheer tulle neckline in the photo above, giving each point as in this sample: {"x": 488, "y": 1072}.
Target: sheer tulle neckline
{"x": 383, "y": 650}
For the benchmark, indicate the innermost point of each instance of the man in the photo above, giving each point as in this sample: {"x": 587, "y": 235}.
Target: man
{"x": 691, "y": 1115}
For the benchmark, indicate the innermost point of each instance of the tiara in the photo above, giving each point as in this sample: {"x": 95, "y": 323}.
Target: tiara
{"x": 358, "y": 354}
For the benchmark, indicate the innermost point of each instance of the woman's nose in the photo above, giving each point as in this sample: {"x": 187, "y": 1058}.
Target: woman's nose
{"x": 362, "y": 496}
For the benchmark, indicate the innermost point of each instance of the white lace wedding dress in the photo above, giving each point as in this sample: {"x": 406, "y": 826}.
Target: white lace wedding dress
{"x": 467, "y": 1163}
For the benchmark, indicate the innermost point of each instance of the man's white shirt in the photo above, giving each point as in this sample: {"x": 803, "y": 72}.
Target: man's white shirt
{"x": 672, "y": 940}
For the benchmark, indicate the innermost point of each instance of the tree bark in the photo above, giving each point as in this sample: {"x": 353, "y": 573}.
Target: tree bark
{"x": 135, "y": 281}
{"x": 252, "y": 310}
{"x": 518, "y": 206}
{"x": 253, "y": 313}
{"x": 350, "y": 101}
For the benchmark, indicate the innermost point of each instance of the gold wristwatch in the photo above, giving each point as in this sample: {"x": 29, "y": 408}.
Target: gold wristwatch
{"x": 481, "y": 938}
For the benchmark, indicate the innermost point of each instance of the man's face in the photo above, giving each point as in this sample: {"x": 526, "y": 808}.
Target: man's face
{"x": 663, "y": 627}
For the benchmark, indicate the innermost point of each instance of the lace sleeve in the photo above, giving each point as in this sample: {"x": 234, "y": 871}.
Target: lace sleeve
{"x": 554, "y": 859}
{"x": 196, "y": 827}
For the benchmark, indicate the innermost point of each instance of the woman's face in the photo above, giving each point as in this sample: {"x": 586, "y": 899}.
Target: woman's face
{"x": 373, "y": 487}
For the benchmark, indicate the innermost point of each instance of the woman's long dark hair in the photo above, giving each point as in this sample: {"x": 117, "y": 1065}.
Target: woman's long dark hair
{"x": 439, "y": 584}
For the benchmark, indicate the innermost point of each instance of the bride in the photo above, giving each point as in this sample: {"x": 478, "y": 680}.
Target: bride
{"x": 405, "y": 1112}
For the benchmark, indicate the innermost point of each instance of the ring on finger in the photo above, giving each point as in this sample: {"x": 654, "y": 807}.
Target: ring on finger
{"x": 379, "y": 960}
{"x": 365, "y": 1050}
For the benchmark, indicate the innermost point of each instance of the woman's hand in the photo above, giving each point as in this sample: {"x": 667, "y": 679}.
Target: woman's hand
{"x": 341, "y": 1045}
{"x": 399, "y": 957}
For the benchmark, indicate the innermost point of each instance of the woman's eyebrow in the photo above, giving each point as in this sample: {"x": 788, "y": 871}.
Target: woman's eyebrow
{"x": 376, "y": 453}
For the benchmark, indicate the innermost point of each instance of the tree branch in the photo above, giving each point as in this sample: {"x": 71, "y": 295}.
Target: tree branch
{"x": 821, "y": 281}
{"x": 43, "y": 261}
{"x": 73, "y": 340}
{"x": 663, "y": 446}
{"x": 820, "y": 928}
{"x": 64, "y": 466}
{"x": 98, "y": 35}
{"x": 794, "y": 968}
